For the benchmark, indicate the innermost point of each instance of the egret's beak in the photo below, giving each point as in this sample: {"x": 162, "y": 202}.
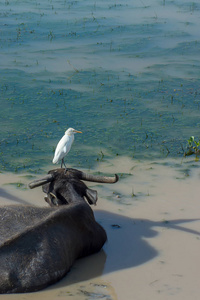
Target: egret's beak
{"x": 77, "y": 131}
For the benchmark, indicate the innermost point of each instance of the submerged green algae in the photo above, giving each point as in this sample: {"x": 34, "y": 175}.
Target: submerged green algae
{"x": 126, "y": 75}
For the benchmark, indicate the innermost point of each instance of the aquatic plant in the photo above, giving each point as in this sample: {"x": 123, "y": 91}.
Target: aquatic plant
{"x": 193, "y": 147}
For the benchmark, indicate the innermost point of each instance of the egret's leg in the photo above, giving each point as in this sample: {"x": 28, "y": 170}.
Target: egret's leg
{"x": 62, "y": 162}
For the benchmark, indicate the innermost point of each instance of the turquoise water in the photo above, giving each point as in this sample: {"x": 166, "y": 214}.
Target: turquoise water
{"x": 125, "y": 73}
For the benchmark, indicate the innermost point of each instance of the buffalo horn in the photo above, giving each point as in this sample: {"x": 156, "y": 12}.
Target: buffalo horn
{"x": 97, "y": 178}
{"x": 41, "y": 181}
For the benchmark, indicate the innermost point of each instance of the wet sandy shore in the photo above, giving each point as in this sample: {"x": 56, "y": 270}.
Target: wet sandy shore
{"x": 152, "y": 218}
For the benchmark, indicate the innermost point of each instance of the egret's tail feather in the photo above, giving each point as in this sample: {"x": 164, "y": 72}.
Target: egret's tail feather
{"x": 54, "y": 161}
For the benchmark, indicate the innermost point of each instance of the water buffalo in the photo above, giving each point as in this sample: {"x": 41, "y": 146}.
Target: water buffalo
{"x": 38, "y": 245}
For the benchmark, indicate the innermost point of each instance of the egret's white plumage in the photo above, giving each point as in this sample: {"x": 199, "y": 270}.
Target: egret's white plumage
{"x": 64, "y": 146}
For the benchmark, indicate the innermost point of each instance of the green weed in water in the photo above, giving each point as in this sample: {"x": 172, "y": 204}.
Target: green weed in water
{"x": 131, "y": 84}
{"x": 193, "y": 147}
{"x": 18, "y": 185}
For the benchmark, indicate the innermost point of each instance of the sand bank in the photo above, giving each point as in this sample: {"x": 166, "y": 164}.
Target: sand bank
{"x": 152, "y": 218}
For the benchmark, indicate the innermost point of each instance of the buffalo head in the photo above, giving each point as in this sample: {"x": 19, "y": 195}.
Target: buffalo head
{"x": 65, "y": 186}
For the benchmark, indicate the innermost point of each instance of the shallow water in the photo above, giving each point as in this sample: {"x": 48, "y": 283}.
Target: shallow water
{"x": 126, "y": 74}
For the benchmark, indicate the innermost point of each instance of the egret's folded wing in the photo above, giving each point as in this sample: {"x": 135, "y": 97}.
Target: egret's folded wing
{"x": 60, "y": 151}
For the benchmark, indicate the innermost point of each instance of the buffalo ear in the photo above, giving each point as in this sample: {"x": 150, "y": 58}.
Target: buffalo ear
{"x": 91, "y": 196}
{"x": 51, "y": 199}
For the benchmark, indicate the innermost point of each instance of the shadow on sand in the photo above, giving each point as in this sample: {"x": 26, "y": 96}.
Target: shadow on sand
{"x": 126, "y": 246}
{"x": 8, "y": 196}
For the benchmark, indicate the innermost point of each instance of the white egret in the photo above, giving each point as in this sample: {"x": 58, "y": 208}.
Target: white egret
{"x": 64, "y": 146}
